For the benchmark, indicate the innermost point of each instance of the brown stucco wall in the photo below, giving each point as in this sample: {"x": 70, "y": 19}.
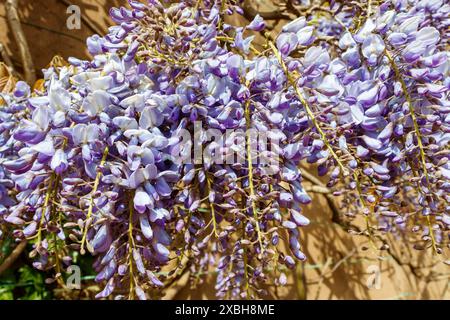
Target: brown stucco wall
{"x": 337, "y": 267}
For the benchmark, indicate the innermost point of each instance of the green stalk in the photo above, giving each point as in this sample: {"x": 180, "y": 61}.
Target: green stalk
{"x": 250, "y": 174}
{"x": 418, "y": 136}
{"x": 91, "y": 200}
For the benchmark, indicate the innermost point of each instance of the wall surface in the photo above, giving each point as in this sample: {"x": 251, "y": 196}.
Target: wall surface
{"x": 338, "y": 265}
{"x": 45, "y": 26}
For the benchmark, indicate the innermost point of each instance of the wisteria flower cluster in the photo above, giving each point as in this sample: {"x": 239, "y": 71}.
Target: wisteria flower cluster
{"x": 146, "y": 157}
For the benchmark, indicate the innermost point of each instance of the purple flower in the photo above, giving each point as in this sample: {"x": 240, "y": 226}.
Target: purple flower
{"x": 295, "y": 25}
{"x": 241, "y": 43}
{"x": 287, "y": 42}
{"x": 257, "y": 24}
{"x": 373, "y": 46}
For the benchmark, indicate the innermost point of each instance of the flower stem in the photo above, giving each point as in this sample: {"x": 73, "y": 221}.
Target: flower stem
{"x": 213, "y": 211}
{"x": 325, "y": 140}
{"x": 44, "y": 208}
{"x": 309, "y": 112}
{"x": 418, "y": 136}
{"x": 250, "y": 174}
{"x": 131, "y": 246}
{"x": 91, "y": 200}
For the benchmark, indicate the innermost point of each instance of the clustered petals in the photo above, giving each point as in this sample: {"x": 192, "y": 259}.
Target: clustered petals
{"x": 99, "y": 160}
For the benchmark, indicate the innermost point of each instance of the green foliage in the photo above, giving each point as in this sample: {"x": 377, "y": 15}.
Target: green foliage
{"x": 25, "y": 284}
{"x": 22, "y": 282}
{"x": 5, "y": 247}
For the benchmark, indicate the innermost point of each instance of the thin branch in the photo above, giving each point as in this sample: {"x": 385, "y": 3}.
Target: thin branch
{"x": 13, "y": 257}
{"x": 300, "y": 282}
{"x": 5, "y": 57}
{"x": 250, "y": 13}
{"x": 178, "y": 276}
{"x": 322, "y": 277}
{"x": 388, "y": 249}
{"x": 16, "y": 29}
{"x": 317, "y": 189}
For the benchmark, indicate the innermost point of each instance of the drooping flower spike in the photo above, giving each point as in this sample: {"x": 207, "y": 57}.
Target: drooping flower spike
{"x": 180, "y": 145}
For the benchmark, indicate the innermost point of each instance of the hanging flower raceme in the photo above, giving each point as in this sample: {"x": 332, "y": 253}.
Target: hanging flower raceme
{"x": 179, "y": 145}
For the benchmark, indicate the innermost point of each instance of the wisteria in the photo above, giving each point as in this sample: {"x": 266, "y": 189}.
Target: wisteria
{"x": 183, "y": 143}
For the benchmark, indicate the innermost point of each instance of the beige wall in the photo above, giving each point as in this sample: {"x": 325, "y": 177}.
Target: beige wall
{"x": 337, "y": 267}
{"x": 44, "y": 24}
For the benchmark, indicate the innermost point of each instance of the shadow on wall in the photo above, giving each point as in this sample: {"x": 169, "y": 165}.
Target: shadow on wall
{"x": 339, "y": 266}
{"x": 45, "y": 26}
